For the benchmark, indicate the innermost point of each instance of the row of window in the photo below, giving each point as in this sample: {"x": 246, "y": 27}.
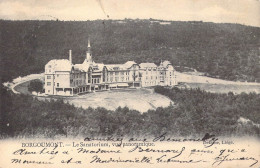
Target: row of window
{"x": 150, "y": 69}
{"x": 150, "y": 83}
{"x": 117, "y": 73}
{"x": 82, "y": 75}
{"x": 111, "y": 74}
{"x": 49, "y": 84}
{"x": 78, "y": 82}
{"x": 112, "y": 79}
{"x": 146, "y": 72}
{"x": 95, "y": 80}
{"x": 151, "y": 77}
{"x": 116, "y": 79}
{"x": 49, "y": 76}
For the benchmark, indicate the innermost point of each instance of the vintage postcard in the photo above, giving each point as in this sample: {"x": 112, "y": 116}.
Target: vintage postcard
{"x": 109, "y": 83}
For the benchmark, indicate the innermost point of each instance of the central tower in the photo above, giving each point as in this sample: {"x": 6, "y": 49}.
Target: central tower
{"x": 89, "y": 53}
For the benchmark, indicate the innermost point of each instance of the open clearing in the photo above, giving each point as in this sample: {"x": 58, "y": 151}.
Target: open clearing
{"x": 138, "y": 99}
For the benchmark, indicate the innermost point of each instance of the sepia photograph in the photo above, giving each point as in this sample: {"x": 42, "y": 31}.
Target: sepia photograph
{"x": 95, "y": 83}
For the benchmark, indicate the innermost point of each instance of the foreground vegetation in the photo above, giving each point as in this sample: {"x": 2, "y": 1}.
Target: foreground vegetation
{"x": 228, "y": 51}
{"x": 195, "y": 113}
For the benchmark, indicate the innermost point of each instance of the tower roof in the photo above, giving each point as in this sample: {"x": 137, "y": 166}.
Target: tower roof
{"x": 88, "y": 43}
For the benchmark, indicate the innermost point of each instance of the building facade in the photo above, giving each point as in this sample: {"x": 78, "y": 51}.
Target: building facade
{"x": 64, "y": 78}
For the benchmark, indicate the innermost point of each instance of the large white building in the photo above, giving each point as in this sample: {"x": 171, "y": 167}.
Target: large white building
{"x": 64, "y": 78}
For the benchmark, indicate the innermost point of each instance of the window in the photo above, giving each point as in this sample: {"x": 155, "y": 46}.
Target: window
{"x": 58, "y": 84}
{"x": 49, "y": 66}
{"x": 117, "y": 73}
{"x": 48, "y": 91}
{"x": 122, "y": 73}
{"x": 122, "y": 79}
{"x": 104, "y": 76}
{"x": 57, "y": 76}
{"x": 48, "y": 77}
{"x": 48, "y": 83}
{"x": 49, "y": 70}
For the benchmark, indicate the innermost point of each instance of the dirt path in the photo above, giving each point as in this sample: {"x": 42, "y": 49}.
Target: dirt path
{"x": 20, "y": 80}
{"x": 187, "y": 78}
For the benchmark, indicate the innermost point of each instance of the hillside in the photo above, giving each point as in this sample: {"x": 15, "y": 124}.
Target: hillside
{"x": 227, "y": 51}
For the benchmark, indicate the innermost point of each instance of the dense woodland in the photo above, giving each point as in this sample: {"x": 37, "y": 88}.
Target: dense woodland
{"x": 194, "y": 113}
{"x": 228, "y": 51}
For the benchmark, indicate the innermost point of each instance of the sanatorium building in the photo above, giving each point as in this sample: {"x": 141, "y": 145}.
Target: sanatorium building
{"x": 64, "y": 78}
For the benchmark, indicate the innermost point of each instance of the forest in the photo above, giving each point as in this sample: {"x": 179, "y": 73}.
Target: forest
{"x": 194, "y": 113}
{"x": 227, "y": 51}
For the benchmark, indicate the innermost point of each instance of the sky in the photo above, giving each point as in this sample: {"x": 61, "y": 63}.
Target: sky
{"x": 246, "y": 12}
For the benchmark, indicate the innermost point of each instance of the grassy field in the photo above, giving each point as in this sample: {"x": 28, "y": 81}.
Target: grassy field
{"x": 137, "y": 99}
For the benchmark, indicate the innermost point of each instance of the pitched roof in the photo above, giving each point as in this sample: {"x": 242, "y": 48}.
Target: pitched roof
{"x": 98, "y": 66}
{"x": 128, "y": 64}
{"x": 147, "y": 65}
{"x": 60, "y": 64}
{"x": 113, "y": 67}
{"x": 81, "y": 67}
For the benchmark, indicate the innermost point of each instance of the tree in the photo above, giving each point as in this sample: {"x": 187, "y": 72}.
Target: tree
{"x": 35, "y": 85}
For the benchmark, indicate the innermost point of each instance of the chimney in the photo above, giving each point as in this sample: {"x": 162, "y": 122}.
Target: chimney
{"x": 70, "y": 56}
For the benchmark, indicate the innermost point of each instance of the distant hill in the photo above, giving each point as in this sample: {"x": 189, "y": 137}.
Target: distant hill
{"x": 227, "y": 51}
